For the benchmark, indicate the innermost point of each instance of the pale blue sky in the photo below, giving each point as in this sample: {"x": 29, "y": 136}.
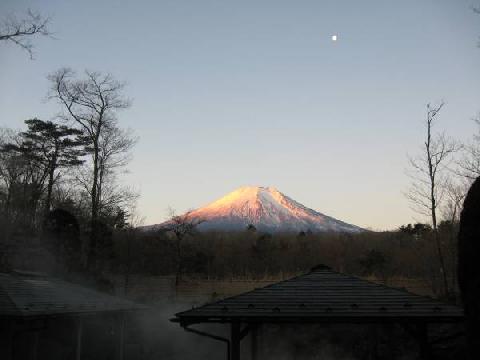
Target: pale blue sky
{"x": 238, "y": 93}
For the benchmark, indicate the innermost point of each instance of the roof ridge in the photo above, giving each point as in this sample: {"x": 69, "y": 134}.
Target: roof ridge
{"x": 320, "y": 267}
{"x": 244, "y": 293}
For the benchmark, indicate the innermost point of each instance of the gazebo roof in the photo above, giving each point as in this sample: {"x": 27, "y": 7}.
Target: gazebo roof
{"x": 324, "y": 295}
{"x": 27, "y": 296}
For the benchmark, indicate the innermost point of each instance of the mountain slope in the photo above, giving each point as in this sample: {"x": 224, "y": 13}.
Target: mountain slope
{"x": 268, "y": 210}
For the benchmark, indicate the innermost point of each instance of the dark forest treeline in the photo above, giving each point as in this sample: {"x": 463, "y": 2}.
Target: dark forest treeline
{"x": 409, "y": 252}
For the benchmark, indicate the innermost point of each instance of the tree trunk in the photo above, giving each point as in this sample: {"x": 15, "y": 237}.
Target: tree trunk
{"x": 51, "y": 178}
{"x": 178, "y": 272}
{"x": 91, "y": 258}
{"x": 433, "y": 208}
{"x": 48, "y": 200}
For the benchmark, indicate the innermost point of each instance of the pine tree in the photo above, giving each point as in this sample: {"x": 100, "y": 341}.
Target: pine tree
{"x": 49, "y": 147}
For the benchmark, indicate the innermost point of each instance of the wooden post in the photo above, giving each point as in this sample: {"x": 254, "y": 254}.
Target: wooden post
{"x": 121, "y": 336}
{"x": 10, "y": 340}
{"x": 425, "y": 350}
{"x": 373, "y": 342}
{"x": 254, "y": 343}
{"x": 235, "y": 341}
{"x": 34, "y": 348}
{"x": 78, "y": 350}
{"x": 260, "y": 340}
{"x": 387, "y": 329}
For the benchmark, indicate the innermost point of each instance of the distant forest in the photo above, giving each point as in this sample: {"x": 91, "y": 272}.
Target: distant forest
{"x": 409, "y": 252}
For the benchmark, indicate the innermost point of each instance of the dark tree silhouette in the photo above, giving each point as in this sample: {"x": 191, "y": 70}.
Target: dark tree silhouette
{"x": 374, "y": 262}
{"x": 23, "y": 179}
{"x": 417, "y": 229}
{"x": 51, "y": 147}
{"x": 30, "y": 165}
{"x": 61, "y": 234}
{"x": 468, "y": 267}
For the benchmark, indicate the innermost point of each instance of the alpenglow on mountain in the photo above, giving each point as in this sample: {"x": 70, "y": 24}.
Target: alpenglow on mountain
{"x": 268, "y": 210}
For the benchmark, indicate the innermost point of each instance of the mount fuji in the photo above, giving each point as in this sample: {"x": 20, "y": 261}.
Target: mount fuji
{"x": 267, "y": 209}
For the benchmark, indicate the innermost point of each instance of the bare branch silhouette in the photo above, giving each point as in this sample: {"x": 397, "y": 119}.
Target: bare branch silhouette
{"x": 20, "y": 31}
{"x": 429, "y": 179}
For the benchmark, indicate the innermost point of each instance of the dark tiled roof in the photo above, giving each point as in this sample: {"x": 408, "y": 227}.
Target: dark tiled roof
{"x": 324, "y": 295}
{"x": 30, "y": 296}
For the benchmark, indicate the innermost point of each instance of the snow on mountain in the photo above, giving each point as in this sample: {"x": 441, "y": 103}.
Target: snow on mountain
{"x": 268, "y": 210}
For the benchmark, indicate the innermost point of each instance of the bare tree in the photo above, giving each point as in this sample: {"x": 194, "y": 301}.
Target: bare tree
{"x": 115, "y": 146}
{"x": 469, "y": 164}
{"x": 455, "y": 193}
{"x": 20, "y": 31}
{"x": 92, "y": 103}
{"x": 181, "y": 226}
{"x": 429, "y": 175}
{"x": 114, "y": 154}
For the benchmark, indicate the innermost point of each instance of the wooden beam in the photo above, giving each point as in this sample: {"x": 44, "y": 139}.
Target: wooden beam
{"x": 235, "y": 341}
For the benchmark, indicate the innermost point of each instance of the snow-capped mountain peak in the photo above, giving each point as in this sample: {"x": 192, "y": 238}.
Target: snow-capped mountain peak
{"x": 268, "y": 210}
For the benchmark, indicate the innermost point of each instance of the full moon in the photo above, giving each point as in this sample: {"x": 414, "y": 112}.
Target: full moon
{"x": 334, "y": 37}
